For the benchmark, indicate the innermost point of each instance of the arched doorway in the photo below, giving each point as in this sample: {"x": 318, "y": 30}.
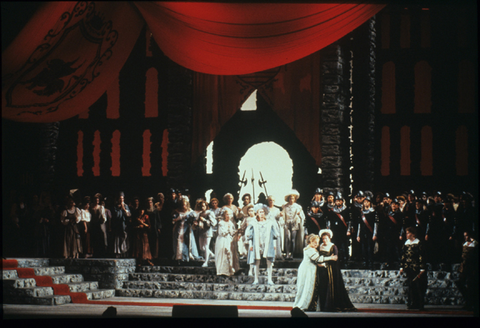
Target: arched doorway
{"x": 269, "y": 163}
{"x": 249, "y": 128}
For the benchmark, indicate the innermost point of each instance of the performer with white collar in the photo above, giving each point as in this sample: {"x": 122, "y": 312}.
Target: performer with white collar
{"x": 261, "y": 236}
{"x": 467, "y": 283}
{"x": 413, "y": 264}
{"x": 294, "y": 224}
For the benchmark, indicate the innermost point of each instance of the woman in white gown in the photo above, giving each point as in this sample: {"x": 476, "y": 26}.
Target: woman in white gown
{"x": 223, "y": 246}
{"x": 307, "y": 286}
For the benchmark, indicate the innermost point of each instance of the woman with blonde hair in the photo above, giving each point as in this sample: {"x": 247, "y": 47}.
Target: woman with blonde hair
{"x": 306, "y": 298}
{"x": 184, "y": 246}
{"x": 224, "y": 261}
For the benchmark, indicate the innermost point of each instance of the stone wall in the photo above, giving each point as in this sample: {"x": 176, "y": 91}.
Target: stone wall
{"x": 334, "y": 120}
{"x": 110, "y": 273}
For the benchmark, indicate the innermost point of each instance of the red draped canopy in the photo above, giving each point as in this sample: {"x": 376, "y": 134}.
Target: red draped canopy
{"x": 69, "y": 53}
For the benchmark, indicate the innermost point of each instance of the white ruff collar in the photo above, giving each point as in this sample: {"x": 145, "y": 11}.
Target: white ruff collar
{"x": 409, "y": 242}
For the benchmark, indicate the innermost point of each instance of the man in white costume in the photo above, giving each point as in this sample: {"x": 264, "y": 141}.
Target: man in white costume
{"x": 294, "y": 222}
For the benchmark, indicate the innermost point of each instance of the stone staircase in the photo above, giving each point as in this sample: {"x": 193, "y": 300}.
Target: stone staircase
{"x": 25, "y": 290}
{"x": 364, "y": 286}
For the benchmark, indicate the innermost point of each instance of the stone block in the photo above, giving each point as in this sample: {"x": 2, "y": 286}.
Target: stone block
{"x": 332, "y": 150}
{"x": 331, "y": 140}
{"x": 332, "y": 68}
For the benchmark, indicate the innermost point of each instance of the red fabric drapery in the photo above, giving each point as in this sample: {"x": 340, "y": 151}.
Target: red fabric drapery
{"x": 69, "y": 53}
{"x": 292, "y": 91}
{"x": 234, "y": 39}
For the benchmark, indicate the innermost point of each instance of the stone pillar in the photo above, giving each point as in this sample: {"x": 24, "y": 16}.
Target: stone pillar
{"x": 179, "y": 105}
{"x": 48, "y": 150}
{"x": 334, "y": 120}
{"x": 364, "y": 106}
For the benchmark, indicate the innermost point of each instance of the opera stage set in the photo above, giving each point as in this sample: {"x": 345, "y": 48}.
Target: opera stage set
{"x": 127, "y": 96}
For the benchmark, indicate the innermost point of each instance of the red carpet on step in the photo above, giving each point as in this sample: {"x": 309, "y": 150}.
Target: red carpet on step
{"x": 44, "y": 281}
{"x": 9, "y": 264}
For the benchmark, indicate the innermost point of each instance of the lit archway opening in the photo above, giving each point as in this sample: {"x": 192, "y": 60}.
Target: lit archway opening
{"x": 275, "y": 166}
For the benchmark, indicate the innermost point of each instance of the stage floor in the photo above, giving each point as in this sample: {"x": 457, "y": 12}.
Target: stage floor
{"x": 162, "y": 308}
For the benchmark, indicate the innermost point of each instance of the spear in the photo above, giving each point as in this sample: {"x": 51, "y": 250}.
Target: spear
{"x": 253, "y": 187}
{"x": 263, "y": 182}
{"x": 243, "y": 182}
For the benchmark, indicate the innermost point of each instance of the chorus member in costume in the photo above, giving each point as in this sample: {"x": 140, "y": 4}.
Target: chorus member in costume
{"x": 135, "y": 208}
{"x": 467, "y": 283}
{"x": 206, "y": 221}
{"x": 184, "y": 245}
{"x": 228, "y": 201}
{"x": 328, "y": 214}
{"x": 339, "y": 228}
{"x": 237, "y": 216}
{"x": 120, "y": 220}
{"x": 274, "y": 213}
{"x": 218, "y": 216}
{"x": 421, "y": 217}
{"x": 85, "y": 227}
{"x": 355, "y": 216}
{"x": 413, "y": 265}
{"x": 140, "y": 244}
{"x": 333, "y": 297}
{"x": 262, "y": 236}
{"x": 248, "y": 221}
{"x": 392, "y": 228}
{"x": 247, "y": 200}
{"x": 294, "y": 224}
{"x": 98, "y": 227}
{"x": 315, "y": 220}
{"x": 223, "y": 246}
{"x": 435, "y": 233}
{"x": 367, "y": 232}
{"x": 70, "y": 217}
{"x": 155, "y": 227}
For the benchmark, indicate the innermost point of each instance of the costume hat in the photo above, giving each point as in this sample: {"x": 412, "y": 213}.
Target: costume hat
{"x": 294, "y": 193}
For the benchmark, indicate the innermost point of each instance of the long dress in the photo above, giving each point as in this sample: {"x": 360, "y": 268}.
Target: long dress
{"x": 183, "y": 237}
{"x": 237, "y": 215}
{"x": 140, "y": 244}
{"x": 99, "y": 231}
{"x": 306, "y": 297}
{"x": 72, "y": 245}
{"x": 333, "y": 296}
{"x": 223, "y": 248}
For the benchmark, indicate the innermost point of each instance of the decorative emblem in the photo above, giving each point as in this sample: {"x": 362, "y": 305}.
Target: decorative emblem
{"x": 55, "y": 72}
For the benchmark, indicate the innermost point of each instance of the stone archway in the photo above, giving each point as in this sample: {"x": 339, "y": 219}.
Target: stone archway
{"x": 246, "y": 129}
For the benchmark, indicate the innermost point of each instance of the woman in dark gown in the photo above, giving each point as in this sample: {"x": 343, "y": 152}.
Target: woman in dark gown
{"x": 333, "y": 297}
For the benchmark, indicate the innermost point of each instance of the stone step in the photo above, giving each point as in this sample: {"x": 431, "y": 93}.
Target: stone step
{"x": 209, "y": 271}
{"x": 354, "y": 273}
{"x": 231, "y": 287}
{"x": 389, "y": 281}
{"x": 64, "y": 278}
{"x": 199, "y": 278}
{"x": 32, "y": 262}
{"x": 38, "y": 271}
{"x": 219, "y": 295}
{"x": 57, "y": 299}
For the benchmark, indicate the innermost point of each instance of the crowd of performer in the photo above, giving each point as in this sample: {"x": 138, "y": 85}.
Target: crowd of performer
{"x": 404, "y": 232}
{"x": 370, "y": 230}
